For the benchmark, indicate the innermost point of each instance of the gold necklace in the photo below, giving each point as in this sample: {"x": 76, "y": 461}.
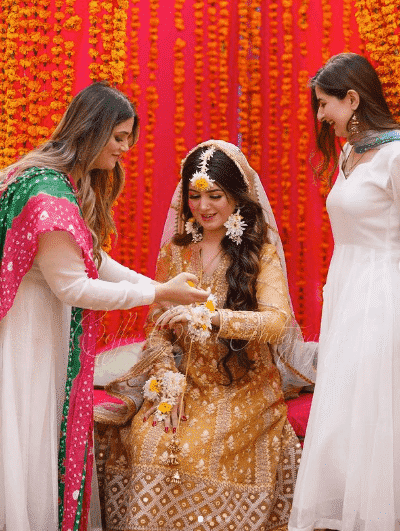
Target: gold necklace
{"x": 203, "y": 268}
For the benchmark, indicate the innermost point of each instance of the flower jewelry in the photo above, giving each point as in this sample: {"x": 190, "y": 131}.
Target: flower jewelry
{"x": 166, "y": 389}
{"x": 201, "y": 180}
{"x": 199, "y": 319}
{"x": 192, "y": 227}
{"x": 235, "y": 227}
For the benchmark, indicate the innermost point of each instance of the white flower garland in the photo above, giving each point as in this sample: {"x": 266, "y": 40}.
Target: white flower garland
{"x": 199, "y": 319}
{"x": 166, "y": 389}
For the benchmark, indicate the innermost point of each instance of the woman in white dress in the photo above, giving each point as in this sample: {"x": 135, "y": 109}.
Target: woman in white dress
{"x": 349, "y": 477}
{"x": 55, "y": 206}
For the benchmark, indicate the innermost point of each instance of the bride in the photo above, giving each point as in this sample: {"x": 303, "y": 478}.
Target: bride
{"x": 212, "y": 447}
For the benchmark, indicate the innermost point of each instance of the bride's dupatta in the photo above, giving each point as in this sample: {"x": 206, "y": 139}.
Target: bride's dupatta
{"x": 43, "y": 200}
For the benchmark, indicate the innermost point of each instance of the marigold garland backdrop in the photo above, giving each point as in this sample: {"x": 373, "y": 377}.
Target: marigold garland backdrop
{"x": 195, "y": 69}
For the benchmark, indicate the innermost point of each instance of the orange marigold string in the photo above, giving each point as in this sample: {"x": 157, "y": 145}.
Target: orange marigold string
{"x": 244, "y": 24}
{"x": 325, "y": 227}
{"x": 223, "y": 40}
{"x": 326, "y": 29}
{"x": 152, "y": 104}
{"x": 346, "y": 23}
{"x": 134, "y": 157}
{"x": 178, "y": 18}
{"x": 302, "y": 22}
{"x": 10, "y": 46}
{"x": 199, "y": 68}
{"x": 179, "y": 115}
{"x": 301, "y": 181}
{"x": 255, "y": 85}
{"x": 286, "y": 105}
{"x": 273, "y": 73}
{"x": 213, "y": 66}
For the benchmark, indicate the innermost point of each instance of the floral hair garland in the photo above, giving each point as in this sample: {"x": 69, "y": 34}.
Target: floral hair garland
{"x": 235, "y": 226}
{"x": 201, "y": 180}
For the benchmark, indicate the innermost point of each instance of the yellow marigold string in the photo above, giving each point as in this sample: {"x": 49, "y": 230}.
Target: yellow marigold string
{"x": 94, "y": 30}
{"x": 29, "y": 87}
{"x": 286, "y": 106}
{"x": 179, "y": 114}
{"x": 118, "y": 43}
{"x": 273, "y": 73}
{"x": 199, "y": 68}
{"x": 223, "y": 40}
{"x": 107, "y": 39}
{"x": 378, "y": 27}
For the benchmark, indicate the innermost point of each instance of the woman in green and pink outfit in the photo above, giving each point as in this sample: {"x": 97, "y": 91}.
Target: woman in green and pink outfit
{"x": 55, "y": 205}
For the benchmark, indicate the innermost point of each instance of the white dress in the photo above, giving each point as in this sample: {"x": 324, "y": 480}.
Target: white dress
{"x": 34, "y": 339}
{"x": 349, "y": 476}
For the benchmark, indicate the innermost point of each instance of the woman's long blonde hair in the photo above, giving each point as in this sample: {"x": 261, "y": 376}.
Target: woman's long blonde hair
{"x": 82, "y": 133}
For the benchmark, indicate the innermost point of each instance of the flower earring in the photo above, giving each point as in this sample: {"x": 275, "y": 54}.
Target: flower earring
{"x": 192, "y": 227}
{"x": 235, "y": 226}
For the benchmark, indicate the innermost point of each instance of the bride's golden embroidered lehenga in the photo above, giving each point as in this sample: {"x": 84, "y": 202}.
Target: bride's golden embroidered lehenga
{"x": 239, "y": 455}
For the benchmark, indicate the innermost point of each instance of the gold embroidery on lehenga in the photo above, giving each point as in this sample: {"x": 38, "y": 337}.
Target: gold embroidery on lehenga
{"x": 238, "y": 455}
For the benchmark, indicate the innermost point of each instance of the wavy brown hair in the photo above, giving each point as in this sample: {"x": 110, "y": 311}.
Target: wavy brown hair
{"x": 82, "y": 133}
{"x": 344, "y": 72}
{"x": 244, "y": 266}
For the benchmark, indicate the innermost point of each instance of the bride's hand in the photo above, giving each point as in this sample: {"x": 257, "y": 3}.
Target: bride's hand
{"x": 170, "y": 420}
{"x": 173, "y": 316}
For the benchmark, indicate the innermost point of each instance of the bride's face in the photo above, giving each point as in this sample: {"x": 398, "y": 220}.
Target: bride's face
{"x": 211, "y": 208}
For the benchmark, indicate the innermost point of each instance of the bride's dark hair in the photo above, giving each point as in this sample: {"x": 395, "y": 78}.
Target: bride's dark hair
{"x": 244, "y": 267}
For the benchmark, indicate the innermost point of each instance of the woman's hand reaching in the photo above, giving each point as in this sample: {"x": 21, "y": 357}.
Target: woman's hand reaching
{"x": 180, "y": 290}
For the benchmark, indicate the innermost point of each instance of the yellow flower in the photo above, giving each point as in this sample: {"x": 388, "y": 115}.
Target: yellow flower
{"x": 164, "y": 407}
{"x": 201, "y": 184}
{"x": 210, "y": 305}
{"x": 154, "y": 386}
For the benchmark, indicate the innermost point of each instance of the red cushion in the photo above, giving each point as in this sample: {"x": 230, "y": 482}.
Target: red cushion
{"x": 101, "y": 397}
{"x": 298, "y": 413}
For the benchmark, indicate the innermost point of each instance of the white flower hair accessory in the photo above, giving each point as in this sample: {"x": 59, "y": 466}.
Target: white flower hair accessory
{"x": 235, "y": 226}
{"x": 201, "y": 180}
{"x": 166, "y": 389}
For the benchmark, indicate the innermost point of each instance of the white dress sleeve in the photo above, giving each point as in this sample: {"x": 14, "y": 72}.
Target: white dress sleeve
{"x": 60, "y": 261}
{"x": 113, "y": 271}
